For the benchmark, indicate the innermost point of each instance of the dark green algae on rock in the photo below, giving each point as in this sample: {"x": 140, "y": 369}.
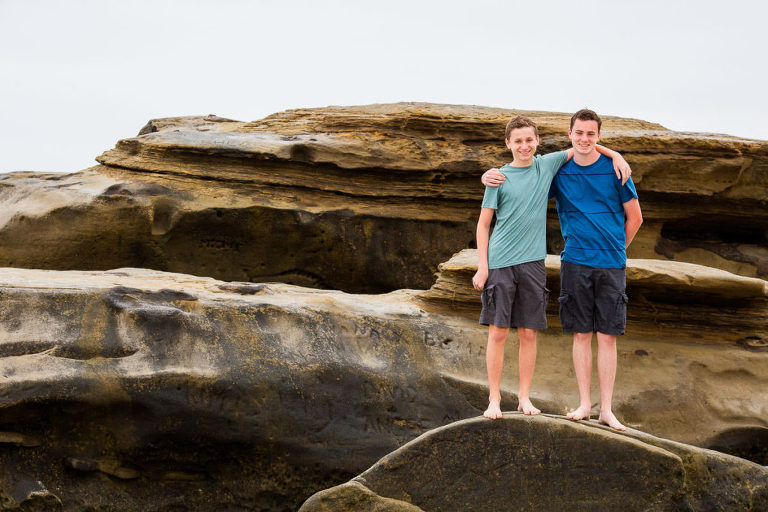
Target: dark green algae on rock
{"x": 548, "y": 463}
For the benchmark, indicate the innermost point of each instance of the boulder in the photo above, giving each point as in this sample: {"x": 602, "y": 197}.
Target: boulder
{"x": 548, "y": 464}
{"x": 364, "y": 199}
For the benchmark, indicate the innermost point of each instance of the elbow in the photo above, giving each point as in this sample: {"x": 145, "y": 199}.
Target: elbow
{"x": 483, "y": 225}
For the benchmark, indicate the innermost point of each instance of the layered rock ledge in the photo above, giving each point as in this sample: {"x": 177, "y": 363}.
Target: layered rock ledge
{"x": 668, "y": 299}
{"x": 548, "y": 464}
{"x": 133, "y": 388}
{"x": 362, "y": 199}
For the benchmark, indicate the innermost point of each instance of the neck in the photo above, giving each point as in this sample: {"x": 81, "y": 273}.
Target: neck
{"x": 522, "y": 163}
{"x": 587, "y": 159}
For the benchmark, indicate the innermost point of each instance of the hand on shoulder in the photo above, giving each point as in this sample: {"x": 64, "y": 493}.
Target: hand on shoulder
{"x": 493, "y": 178}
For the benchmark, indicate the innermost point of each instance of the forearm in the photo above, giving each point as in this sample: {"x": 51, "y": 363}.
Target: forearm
{"x": 631, "y": 227}
{"x": 482, "y": 237}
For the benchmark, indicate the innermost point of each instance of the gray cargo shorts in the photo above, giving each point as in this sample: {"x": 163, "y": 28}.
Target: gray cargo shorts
{"x": 592, "y": 299}
{"x": 516, "y": 296}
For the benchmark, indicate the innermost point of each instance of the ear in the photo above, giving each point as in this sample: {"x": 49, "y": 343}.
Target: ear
{"x": 506, "y": 141}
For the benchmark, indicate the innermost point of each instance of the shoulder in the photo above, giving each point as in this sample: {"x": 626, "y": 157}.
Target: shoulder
{"x": 604, "y": 162}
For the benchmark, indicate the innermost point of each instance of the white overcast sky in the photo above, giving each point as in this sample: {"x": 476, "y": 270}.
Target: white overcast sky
{"x": 78, "y": 75}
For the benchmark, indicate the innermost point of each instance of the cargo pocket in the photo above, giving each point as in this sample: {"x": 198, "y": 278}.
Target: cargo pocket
{"x": 545, "y": 297}
{"x": 621, "y": 312}
{"x": 488, "y": 297}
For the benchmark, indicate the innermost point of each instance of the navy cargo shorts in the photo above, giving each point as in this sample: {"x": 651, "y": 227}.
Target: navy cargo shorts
{"x": 592, "y": 299}
{"x": 516, "y": 296}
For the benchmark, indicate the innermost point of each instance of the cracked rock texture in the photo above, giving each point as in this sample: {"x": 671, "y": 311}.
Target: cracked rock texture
{"x": 363, "y": 199}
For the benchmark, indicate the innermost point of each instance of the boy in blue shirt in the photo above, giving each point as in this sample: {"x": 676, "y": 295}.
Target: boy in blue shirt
{"x": 599, "y": 217}
{"x": 511, "y": 269}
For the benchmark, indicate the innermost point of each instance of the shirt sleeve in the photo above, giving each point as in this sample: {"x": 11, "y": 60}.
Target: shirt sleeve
{"x": 491, "y": 198}
{"x": 627, "y": 191}
{"x": 552, "y": 162}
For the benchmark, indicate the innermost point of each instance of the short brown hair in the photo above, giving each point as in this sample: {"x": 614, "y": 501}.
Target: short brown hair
{"x": 520, "y": 122}
{"x": 586, "y": 115}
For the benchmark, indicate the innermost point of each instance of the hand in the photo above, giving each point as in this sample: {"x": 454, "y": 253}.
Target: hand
{"x": 479, "y": 279}
{"x": 623, "y": 171}
{"x": 493, "y": 178}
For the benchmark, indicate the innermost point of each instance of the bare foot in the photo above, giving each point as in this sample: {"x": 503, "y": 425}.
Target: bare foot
{"x": 494, "y": 410}
{"x": 582, "y": 413}
{"x": 608, "y": 418}
{"x": 527, "y": 407}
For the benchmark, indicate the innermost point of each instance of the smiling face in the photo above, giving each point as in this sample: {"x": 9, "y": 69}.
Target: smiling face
{"x": 584, "y": 136}
{"x": 523, "y": 143}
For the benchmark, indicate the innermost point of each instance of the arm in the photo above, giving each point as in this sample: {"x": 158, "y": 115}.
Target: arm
{"x": 623, "y": 172}
{"x": 634, "y": 217}
{"x": 483, "y": 230}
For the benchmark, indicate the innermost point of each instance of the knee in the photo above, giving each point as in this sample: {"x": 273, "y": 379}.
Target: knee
{"x": 527, "y": 335}
{"x": 582, "y": 338}
{"x": 498, "y": 336}
{"x": 606, "y": 341}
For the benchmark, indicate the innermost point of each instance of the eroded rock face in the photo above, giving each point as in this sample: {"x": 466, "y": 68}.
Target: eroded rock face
{"x": 548, "y": 464}
{"x": 362, "y": 199}
{"x": 133, "y": 386}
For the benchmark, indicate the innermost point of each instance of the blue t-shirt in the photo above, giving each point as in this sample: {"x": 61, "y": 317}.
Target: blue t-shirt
{"x": 590, "y": 204}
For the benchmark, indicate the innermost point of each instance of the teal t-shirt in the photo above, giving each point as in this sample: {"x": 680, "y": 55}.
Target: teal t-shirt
{"x": 521, "y": 211}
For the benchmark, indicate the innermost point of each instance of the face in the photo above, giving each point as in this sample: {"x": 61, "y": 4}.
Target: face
{"x": 584, "y": 136}
{"x": 522, "y": 142}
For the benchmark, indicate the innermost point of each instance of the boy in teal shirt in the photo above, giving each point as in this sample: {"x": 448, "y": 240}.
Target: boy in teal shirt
{"x": 511, "y": 269}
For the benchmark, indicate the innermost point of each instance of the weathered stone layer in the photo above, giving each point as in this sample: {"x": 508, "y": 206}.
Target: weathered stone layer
{"x": 667, "y": 299}
{"x": 363, "y": 199}
{"x": 262, "y": 394}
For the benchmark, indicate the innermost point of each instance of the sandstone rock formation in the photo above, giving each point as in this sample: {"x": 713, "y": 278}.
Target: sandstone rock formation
{"x": 139, "y": 389}
{"x": 362, "y": 199}
{"x": 669, "y": 300}
{"x": 548, "y": 464}
{"x": 133, "y": 387}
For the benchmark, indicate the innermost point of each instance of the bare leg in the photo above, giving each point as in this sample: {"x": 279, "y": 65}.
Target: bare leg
{"x": 582, "y": 364}
{"x": 494, "y": 361}
{"x": 606, "y": 372}
{"x": 527, "y": 362}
